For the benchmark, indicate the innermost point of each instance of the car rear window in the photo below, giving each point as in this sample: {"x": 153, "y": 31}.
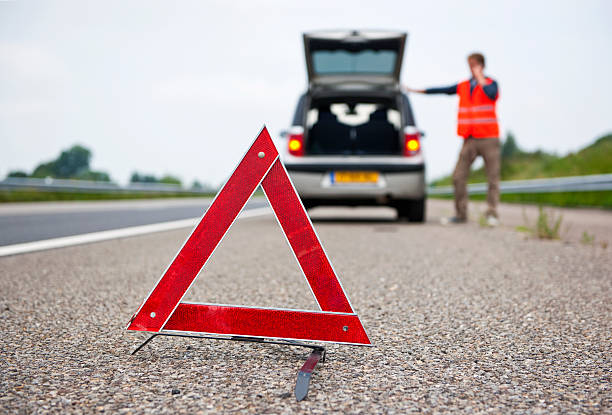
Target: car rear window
{"x": 331, "y": 62}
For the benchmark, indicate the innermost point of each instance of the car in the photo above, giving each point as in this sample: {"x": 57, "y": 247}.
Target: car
{"x": 353, "y": 140}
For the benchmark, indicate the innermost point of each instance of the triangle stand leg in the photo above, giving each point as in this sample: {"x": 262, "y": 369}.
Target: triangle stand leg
{"x": 305, "y": 373}
{"x": 303, "y": 378}
{"x": 144, "y": 343}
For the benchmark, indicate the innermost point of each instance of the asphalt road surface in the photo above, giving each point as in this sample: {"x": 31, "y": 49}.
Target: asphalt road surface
{"x": 33, "y": 222}
{"x": 464, "y": 319}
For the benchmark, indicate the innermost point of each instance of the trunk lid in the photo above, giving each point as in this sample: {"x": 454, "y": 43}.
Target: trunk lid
{"x": 339, "y": 57}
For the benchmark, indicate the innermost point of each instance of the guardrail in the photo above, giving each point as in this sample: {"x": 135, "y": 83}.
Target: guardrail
{"x": 50, "y": 184}
{"x": 596, "y": 182}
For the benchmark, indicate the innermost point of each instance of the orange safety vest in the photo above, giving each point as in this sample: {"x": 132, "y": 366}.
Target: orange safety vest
{"x": 476, "y": 116}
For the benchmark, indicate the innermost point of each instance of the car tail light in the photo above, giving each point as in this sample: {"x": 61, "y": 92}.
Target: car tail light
{"x": 412, "y": 144}
{"x": 296, "y": 144}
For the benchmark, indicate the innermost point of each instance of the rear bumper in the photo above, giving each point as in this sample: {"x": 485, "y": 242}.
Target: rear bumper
{"x": 397, "y": 181}
{"x": 379, "y": 167}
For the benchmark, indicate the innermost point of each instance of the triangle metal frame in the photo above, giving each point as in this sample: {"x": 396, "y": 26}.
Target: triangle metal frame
{"x": 163, "y": 311}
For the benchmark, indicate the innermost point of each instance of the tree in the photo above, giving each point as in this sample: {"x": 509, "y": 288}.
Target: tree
{"x": 510, "y": 148}
{"x": 45, "y": 170}
{"x": 17, "y": 173}
{"x": 149, "y": 178}
{"x": 98, "y": 176}
{"x": 73, "y": 161}
{"x": 70, "y": 163}
{"x": 143, "y": 178}
{"x": 167, "y": 179}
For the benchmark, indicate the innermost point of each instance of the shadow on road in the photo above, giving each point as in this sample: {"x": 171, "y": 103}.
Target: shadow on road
{"x": 340, "y": 219}
{"x": 354, "y": 215}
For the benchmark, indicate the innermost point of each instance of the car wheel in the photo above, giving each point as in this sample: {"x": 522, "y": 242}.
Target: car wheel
{"x": 411, "y": 210}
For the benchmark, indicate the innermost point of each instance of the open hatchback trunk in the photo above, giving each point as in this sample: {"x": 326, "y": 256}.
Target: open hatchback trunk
{"x": 372, "y": 57}
{"x": 357, "y": 126}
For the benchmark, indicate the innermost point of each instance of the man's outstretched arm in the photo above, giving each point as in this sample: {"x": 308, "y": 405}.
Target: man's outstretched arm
{"x": 449, "y": 90}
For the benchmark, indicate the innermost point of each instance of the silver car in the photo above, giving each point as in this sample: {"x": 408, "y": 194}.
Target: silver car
{"x": 353, "y": 140}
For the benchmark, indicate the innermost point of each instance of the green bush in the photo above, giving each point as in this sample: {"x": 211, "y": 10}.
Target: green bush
{"x": 547, "y": 225}
{"x": 520, "y": 165}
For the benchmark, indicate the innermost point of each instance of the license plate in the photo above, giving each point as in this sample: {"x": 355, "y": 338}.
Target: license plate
{"x": 354, "y": 177}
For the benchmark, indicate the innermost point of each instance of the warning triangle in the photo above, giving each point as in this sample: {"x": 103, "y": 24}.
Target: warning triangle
{"x": 163, "y": 311}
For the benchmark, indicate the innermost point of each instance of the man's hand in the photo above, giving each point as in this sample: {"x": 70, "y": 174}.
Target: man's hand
{"x": 408, "y": 89}
{"x": 477, "y": 70}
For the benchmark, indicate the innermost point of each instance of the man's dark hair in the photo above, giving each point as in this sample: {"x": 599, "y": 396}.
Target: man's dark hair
{"x": 478, "y": 57}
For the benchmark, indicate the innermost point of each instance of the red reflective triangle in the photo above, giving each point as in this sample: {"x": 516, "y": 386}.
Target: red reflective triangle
{"x": 163, "y": 310}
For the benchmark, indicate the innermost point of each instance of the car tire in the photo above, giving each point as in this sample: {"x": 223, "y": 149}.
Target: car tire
{"x": 411, "y": 210}
{"x": 308, "y": 204}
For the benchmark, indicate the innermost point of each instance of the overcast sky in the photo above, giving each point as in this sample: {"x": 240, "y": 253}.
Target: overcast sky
{"x": 183, "y": 87}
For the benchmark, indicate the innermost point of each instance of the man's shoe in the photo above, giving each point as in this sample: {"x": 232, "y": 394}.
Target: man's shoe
{"x": 452, "y": 220}
{"x": 492, "y": 221}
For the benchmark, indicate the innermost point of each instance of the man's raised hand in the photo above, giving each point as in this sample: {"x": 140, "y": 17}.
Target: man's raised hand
{"x": 477, "y": 70}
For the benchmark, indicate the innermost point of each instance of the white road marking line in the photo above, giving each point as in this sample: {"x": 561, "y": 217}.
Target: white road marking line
{"x": 113, "y": 234}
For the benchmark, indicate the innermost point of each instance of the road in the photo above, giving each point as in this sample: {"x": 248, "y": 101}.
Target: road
{"x": 464, "y": 319}
{"x": 27, "y": 222}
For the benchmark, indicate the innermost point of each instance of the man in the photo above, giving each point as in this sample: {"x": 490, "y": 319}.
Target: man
{"x": 477, "y": 124}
